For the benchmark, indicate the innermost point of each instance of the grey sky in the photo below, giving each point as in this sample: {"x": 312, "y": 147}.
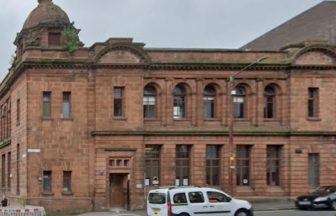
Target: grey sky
{"x": 158, "y": 23}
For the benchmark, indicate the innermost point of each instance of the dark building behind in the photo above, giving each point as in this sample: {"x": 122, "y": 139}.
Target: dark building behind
{"x": 315, "y": 24}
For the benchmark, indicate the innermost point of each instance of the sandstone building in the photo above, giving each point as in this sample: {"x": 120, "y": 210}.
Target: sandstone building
{"x": 96, "y": 127}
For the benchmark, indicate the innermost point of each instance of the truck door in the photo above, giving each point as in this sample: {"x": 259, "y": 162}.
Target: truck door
{"x": 219, "y": 203}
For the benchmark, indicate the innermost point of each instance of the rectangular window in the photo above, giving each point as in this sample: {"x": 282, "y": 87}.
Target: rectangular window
{"x": 152, "y": 160}
{"x": 213, "y": 164}
{"x": 66, "y": 181}
{"x": 149, "y": 106}
{"x": 18, "y": 112}
{"x": 46, "y": 182}
{"x": 243, "y": 165}
{"x": 46, "y": 104}
{"x": 3, "y": 171}
{"x": 118, "y": 101}
{"x": 54, "y": 38}
{"x": 313, "y": 102}
{"x": 18, "y": 169}
{"x": 209, "y": 107}
{"x": 9, "y": 170}
{"x": 273, "y": 165}
{"x": 182, "y": 165}
{"x": 314, "y": 170}
{"x": 66, "y": 105}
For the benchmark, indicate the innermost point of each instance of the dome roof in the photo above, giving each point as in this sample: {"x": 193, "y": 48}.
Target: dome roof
{"x": 46, "y": 12}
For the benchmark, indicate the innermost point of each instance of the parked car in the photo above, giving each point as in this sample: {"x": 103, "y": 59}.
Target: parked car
{"x": 190, "y": 201}
{"x": 322, "y": 197}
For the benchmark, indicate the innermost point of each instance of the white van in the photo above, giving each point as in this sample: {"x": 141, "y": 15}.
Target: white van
{"x": 190, "y": 201}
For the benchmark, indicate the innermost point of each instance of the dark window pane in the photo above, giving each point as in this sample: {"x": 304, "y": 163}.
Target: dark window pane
{"x": 243, "y": 165}
{"x": 180, "y": 198}
{"x": 269, "y": 102}
{"x": 182, "y": 165}
{"x": 118, "y": 101}
{"x": 179, "y": 105}
{"x": 149, "y": 102}
{"x": 3, "y": 171}
{"x": 215, "y": 197}
{"x": 213, "y": 164}
{"x": 67, "y": 181}
{"x": 152, "y": 161}
{"x": 209, "y": 102}
{"x": 273, "y": 165}
{"x": 18, "y": 112}
{"x": 66, "y": 104}
{"x": 239, "y": 101}
{"x": 157, "y": 198}
{"x": 313, "y": 102}
{"x": 46, "y": 104}
{"x": 47, "y": 181}
{"x": 196, "y": 197}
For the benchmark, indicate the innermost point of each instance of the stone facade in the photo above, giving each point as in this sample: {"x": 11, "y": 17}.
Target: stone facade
{"x": 105, "y": 153}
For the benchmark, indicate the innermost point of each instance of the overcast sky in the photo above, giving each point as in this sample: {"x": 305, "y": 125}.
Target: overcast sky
{"x": 158, "y": 23}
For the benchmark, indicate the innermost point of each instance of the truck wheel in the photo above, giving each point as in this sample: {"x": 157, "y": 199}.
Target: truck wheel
{"x": 184, "y": 214}
{"x": 333, "y": 205}
{"x": 242, "y": 212}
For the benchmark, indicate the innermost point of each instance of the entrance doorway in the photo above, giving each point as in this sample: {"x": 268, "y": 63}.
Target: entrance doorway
{"x": 118, "y": 190}
{"x": 314, "y": 170}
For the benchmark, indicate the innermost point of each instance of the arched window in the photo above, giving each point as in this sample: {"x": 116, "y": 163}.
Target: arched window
{"x": 269, "y": 103}
{"x": 209, "y": 102}
{"x": 239, "y": 102}
{"x": 149, "y": 102}
{"x": 179, "y": 102}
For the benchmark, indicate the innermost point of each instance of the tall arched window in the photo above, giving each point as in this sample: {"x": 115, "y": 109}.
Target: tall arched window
{"x": 239, "y": 102}
{"x": 149, "y": 102}
{"x": 179, "y": 102}
{"x": 209, "y": 102}
{"x": 269, "y": 103}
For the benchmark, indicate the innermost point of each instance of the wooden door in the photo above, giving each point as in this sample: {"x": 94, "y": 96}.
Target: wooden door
{"x": 117, "y": 194}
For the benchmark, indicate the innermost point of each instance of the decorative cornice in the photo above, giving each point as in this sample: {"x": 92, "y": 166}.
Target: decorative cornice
{"x": 285, "y": 133}
{"x": 84, "y": 64}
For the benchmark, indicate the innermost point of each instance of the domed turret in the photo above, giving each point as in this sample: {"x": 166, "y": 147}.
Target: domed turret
{"x": 46, "y": 13}
{"x": 46, "y": 27}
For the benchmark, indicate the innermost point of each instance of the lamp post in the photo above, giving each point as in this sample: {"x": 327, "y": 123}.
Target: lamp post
{"x": 231, "y": 121}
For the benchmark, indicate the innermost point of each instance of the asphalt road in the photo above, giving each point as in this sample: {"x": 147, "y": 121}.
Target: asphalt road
{"x": 295, "y": 213}
{"x": 257, "y": 213}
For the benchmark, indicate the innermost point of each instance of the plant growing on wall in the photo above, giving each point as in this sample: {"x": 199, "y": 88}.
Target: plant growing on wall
{"x": 71, "y": 39}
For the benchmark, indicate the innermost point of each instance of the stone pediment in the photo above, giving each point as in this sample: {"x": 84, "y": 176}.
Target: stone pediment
{"x": 122, "y": 53}
{"x": 316, "y": 55}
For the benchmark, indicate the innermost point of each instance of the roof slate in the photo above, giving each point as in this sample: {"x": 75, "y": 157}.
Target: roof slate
{"x": 316, "y": 24}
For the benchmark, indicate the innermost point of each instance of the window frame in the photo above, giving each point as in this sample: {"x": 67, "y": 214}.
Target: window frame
{"x": 152, "y": 159}
{"x": 18, "y": 111}
{"x": 146, "y": 107}
{"x": 67, "y": 181}
{"x": 182, "y": 162}
{"x": 269, "y": 166}
{"x": 241, "y": 166}
{"x": 211, "y": 167}
{"x": 313, "y": 103}
{"x": 236, "y": 97}
{"x": 210, "y": 101}
{"x": 199, "y": 192}
{"x": 180, "y": 102}
{"x": 270, "y": 100}
{"x": 46, "y": 104}
{"x": 66, "y": 101}
{"x": 120, "y": 100}
{"x": 46, "y": 180}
